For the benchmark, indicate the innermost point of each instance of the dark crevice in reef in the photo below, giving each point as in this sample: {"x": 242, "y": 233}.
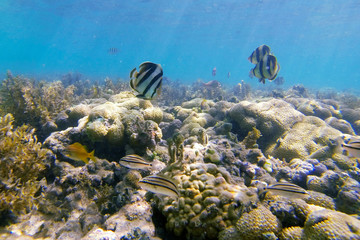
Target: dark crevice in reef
{"x": 159, "y": 221}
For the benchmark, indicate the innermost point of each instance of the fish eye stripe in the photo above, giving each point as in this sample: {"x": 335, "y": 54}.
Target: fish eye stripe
{"x": 264, "y": 50}
{"x": 257, "y": 55}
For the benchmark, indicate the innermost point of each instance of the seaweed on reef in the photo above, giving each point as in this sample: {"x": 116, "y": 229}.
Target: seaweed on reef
{"x": 22, "y": 162}
{"x": 349, "y": 100}
{"x": 32, "y": 102}
{"x": 242, "y": 90}
{"x": 173, "y": 92}
{"x": 250, "y": 140}
{"x": 176, "y": 147}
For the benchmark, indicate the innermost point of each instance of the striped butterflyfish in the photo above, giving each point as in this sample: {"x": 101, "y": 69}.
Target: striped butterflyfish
{"x": 259, "y": 54}
{"x": 286, "y": 189}
{"x": 267, "y": 68}
{"x": 352, "y": 147}
{"x": 158, "y": 184}
{"x": 147, "y": 82}
{"x": 134, "y": 161}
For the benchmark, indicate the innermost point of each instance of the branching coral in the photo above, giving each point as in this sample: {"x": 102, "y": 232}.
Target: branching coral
{"x": 21, "y": 162}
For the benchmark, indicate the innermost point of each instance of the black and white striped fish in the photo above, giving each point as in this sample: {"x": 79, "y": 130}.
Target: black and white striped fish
{"x": 286, "y": 189}
{"x": 134, "y": 161}
{"x": 259, "y": 53}
{"x": 147, "y": 82}
{"x": 158, "y": 184}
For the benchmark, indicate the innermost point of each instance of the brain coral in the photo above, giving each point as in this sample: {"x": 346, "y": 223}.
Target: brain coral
{"x": 329, "y": 224}
{"x": 258, "y": 222}
{"x": 304, "y": 138}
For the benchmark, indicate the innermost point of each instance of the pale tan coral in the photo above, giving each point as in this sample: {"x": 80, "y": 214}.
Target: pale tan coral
{"x": 154, "y": 113}
{"x": 303, "y": 139}
{"x": 320, "y": 199}
{"x": 203, "y": 119}
{"x": 328, "y": 224}
{"x": 256, "y": 223}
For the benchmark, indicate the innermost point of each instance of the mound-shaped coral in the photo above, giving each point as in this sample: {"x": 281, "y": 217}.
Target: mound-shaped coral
{"x": 305, "y": 138}
{"x": 257, "y": 223}
{"x": 328, "y": 224}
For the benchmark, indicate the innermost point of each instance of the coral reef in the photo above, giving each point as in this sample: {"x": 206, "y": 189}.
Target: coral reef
{"x": 190, "y": 134}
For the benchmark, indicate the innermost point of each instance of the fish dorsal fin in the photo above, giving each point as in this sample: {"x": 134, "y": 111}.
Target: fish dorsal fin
{"x": 78, "y": 145}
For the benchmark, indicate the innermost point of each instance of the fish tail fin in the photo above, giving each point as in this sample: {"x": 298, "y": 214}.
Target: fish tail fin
{"x": 91, "y": 155}
{"x": 262, "y": 80}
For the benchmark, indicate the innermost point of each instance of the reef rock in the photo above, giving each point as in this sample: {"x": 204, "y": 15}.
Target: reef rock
{"x": 132, "y": 219}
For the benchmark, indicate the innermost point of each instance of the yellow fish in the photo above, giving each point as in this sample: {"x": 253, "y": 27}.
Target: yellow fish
{"x": 79, "y": 152}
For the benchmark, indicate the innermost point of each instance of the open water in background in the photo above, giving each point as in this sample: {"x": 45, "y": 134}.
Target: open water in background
{"x": 317, "y": 42}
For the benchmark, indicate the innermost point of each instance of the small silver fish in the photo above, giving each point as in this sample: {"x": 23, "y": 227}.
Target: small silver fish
{"x": 352, "y": 147}
{"x": 134, "y": 161}
{"x": 288, "y": 190}
{"x": 158, "y": 184}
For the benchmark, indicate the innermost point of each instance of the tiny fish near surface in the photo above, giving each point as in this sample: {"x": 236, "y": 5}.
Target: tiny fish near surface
{"x": 79, "y": 152}
{"x": 158, "y": 184}
{"x": 134, "y": 161}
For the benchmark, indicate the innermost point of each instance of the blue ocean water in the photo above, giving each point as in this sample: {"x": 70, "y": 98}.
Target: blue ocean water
{"x": 316, "y": 42}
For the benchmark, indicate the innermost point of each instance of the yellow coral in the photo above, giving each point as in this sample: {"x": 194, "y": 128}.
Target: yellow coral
{"x": 250, "y": 140}
{"x": 329, "y": 224}
{"x": 256, "y": 223}
{"x": 21, "y": 163}
{"x": 291, "y": 233}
